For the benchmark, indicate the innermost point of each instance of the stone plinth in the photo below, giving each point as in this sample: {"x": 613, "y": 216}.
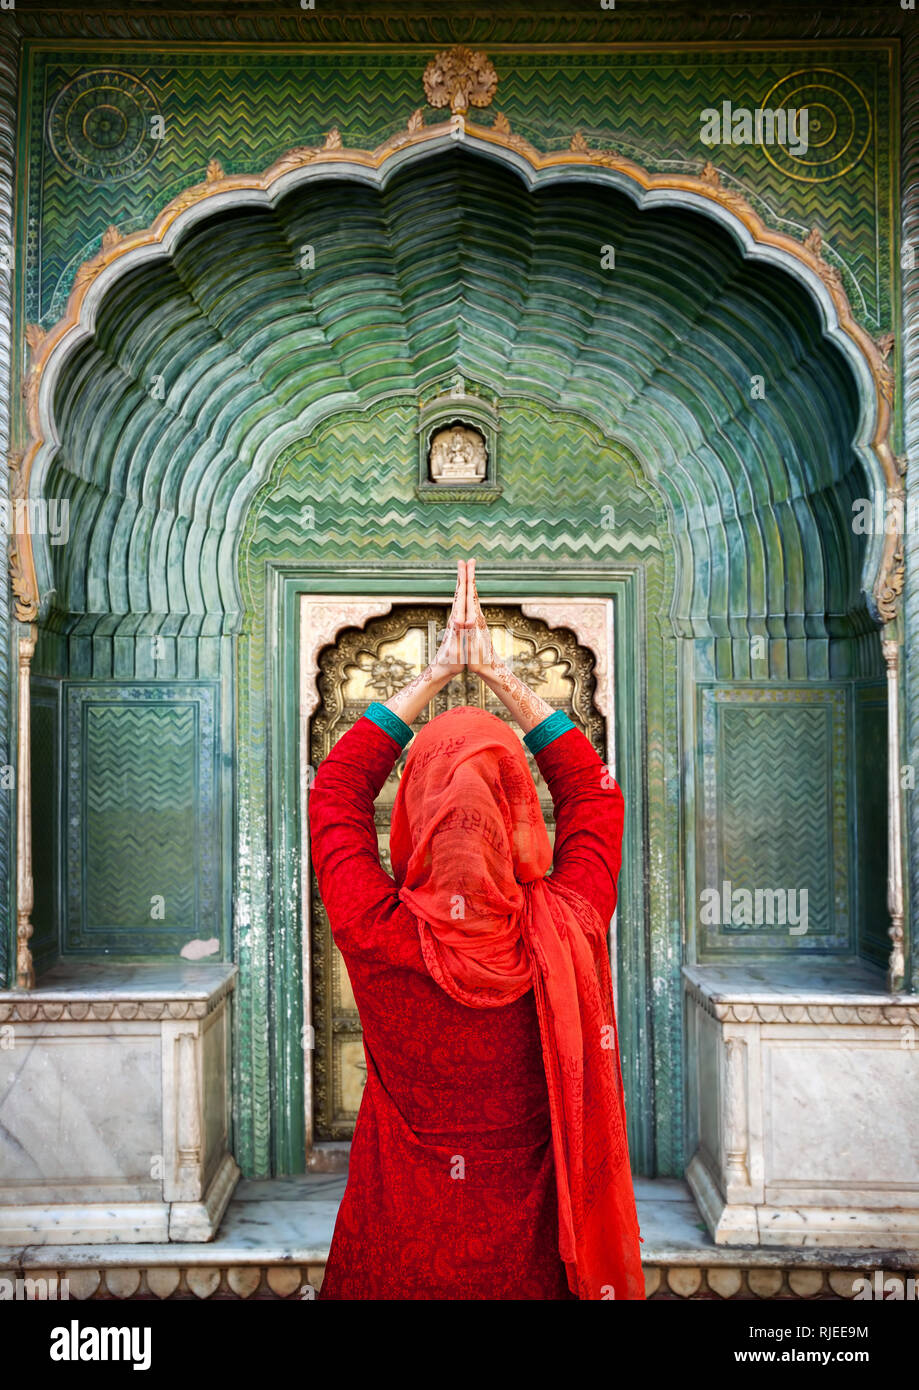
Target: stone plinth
{"x": 803, "y": 1088}
{"x": 114, "y": 1105}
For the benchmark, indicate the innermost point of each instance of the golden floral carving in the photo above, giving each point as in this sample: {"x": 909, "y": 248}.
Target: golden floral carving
{"x": 813, "y": 242}
{"x": 886, "y": 378}
{"x": 110, "y": 237}
{"x": 86, "y": 272}
{"x": 185, "y": 199}
{"x": 26, "y": 610}
{"x": 830, "y": 276}
{"x": 14, "y": 461}
{"x": 214, "y": 171}
{"x": 35, "y": 336}
{"x": 885, "y": 344}
{"x": 890, "y": 586}
{"x": 727, "y": 197}
{"x": 387, "y": 675}
{"x": 734, "y": 200}
{"x": 416, "y": 120}
{"x": 459, "y": 78}
{"x": 333, "y": 140}
{"x": 294, "y": 159}
{"x": 578, "y": 144}
{"x": 501, "y": 125}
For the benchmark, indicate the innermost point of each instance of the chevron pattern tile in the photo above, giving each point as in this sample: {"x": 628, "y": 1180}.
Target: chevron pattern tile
{"x": 776, "y": 806}
{"x": 142, "y": 850}
{"x": 776, "y": 809}
{"x": 248, "y": 108}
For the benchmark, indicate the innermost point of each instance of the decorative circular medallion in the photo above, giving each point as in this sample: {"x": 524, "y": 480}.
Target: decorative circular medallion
{"x": 99, "y": 126}
{"x": 838, "y": 124}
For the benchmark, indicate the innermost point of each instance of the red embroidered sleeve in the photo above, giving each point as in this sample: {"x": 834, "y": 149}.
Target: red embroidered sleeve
{"x": 588, "y": 819}
{"x": 343, "y": 839}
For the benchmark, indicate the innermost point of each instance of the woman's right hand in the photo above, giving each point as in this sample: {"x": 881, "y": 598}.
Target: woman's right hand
{"x": 480, "y": 653}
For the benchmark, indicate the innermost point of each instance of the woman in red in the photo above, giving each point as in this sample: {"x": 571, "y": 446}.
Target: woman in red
{"x": 489, "y": 1158}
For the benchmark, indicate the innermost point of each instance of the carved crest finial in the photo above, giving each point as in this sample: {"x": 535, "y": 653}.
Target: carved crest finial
{"x": 333, "y": 140}
{"x": 214, "y": 171}
{"x": 14, "y": 461}
{"x": 710, "y": 175}
{"x": 110, "y": 237}
{"x": 814, "y": 241}
{"x": 578, "y": 144}
{"x": 459, "y": 78}
{"x": 35, "y": 336}
{"x": 885, "y": 344}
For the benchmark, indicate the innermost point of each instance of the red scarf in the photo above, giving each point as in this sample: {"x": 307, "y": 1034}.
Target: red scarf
{"x": 470, "y": 853}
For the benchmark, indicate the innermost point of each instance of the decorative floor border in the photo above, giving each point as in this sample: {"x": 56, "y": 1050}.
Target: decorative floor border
{"x": 293, "y": 1282}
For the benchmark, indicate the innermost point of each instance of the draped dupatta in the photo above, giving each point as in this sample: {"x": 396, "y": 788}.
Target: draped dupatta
{"x": 470, "y": 853}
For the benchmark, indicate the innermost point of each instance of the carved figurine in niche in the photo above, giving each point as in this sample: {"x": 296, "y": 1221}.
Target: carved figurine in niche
{"x": 458, "y": 455}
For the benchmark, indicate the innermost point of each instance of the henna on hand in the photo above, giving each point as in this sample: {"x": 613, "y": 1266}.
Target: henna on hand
{"x": 408, "y": 702}
{"x": 526, "y": 707}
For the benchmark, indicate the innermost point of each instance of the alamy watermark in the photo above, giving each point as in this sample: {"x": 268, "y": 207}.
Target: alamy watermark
{"x": 739, "y": 125}
{"x": 38, "y": 1288}
{"x": 36, "y": 516}
{"x": 896, "y": 516}
{"x": 758, "y": 907}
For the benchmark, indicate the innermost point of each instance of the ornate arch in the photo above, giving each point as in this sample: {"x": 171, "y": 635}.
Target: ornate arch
{"x": 704, "y": 193}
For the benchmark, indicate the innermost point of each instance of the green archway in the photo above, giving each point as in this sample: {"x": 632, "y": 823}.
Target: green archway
{"x": 233, "y": 369}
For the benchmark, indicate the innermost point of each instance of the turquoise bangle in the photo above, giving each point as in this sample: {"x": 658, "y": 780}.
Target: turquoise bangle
{"x": 390, "y": 723}
{"x": 551, "y": 728}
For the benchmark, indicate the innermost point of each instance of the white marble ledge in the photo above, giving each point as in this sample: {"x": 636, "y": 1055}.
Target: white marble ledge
{"x": 118, "y": 981}
{"x": 292, "y": 1222}
{"x": 795, "y": 982}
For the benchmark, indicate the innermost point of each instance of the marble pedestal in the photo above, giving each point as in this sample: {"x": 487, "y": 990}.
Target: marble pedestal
{"x": 114, "y": 1105}
{"x": 804, "y": 1106}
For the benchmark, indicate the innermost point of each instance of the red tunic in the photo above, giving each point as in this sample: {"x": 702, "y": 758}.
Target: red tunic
{"x": 451, "y": 1181}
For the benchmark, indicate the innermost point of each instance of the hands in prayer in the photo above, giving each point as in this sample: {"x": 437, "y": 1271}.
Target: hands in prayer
{"x": 467, "y": 640}
{"x": 467, "y": 645}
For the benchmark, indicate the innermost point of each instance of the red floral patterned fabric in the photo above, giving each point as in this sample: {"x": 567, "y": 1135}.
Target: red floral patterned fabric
{"x": 451, "y": 1191}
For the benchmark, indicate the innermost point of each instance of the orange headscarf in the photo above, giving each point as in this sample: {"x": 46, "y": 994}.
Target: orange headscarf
{"x": 470, "y": 853}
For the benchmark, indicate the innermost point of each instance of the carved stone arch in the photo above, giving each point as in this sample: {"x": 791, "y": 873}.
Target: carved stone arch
{"x": 220, "y": 193}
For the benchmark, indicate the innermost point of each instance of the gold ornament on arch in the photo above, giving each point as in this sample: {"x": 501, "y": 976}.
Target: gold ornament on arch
{"x": 460, "y": 78}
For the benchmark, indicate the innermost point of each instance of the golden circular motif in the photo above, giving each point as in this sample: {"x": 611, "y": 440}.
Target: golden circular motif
{"x": 839, "y": 124}
{"x": 100, "y": 126}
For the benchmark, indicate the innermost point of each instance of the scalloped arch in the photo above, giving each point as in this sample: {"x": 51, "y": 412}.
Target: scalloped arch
{"x": 253, "y": 354}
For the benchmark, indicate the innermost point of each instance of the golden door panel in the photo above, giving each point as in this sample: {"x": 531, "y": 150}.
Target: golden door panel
{"x": 372, "y": 664}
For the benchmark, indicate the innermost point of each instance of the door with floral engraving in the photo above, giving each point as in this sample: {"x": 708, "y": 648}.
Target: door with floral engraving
{"x": 372, "y": 663}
